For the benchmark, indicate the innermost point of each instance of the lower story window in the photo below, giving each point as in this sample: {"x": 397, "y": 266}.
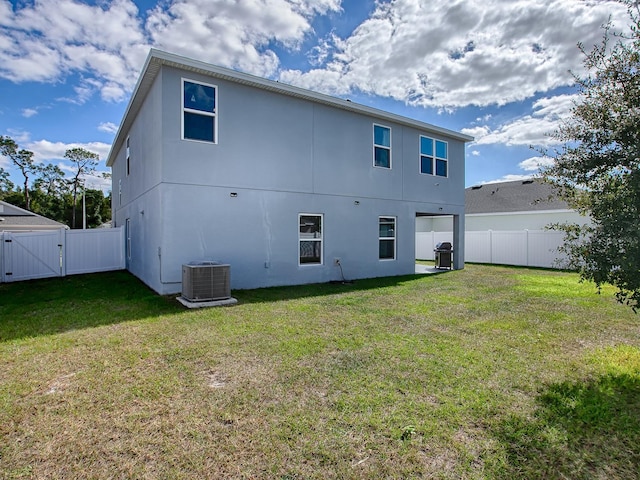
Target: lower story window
{"x": 387, "y": 238}
{"x": 310, "y": 239}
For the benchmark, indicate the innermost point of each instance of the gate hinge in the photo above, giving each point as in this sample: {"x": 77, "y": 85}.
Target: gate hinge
{"x": 8, "y": 241}
{"x": 9, "y": 273}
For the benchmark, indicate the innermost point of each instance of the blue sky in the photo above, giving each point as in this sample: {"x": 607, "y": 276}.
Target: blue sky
{"x": 498, "y": 70}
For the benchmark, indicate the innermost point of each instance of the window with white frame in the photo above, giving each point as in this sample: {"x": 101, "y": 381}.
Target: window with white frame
{"x": 310, "y": 239}
{"x": 433, "y": 156}
{"x": 199, "y": 111}
{"x": 381, "y": 146}
{"x": 387, "y": 238}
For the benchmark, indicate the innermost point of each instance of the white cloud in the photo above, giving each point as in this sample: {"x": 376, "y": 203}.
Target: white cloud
{"x": 477, "y": 132}
{"x": 478, "y": 52}
{"x": 534, "y": 164}
{"x": 95, "y": 181}
{"x": 530, "y": 165}
{"x": 319, "y": 54}
{"x": 98, "y": 182}
{"x": 475, "y": 153}
{"x": 19, "y": 136}
{"x": 29, "y": 112}
{"x": 460, "y": 53}
{"x": 534, "y": 129}
{"x": 44, "y": 150}
{"x": 108, "y": 127}
{"x": 235, "y": 34}
{"x": 45, "y": 41}
{"x": 106, "y": 43}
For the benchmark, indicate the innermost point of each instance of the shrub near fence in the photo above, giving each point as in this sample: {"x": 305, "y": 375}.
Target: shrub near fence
{"x": 531, "y": 248}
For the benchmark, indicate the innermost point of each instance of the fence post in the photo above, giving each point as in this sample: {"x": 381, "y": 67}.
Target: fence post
{"x": 62, "y": 245}
{"x": 7, "y": 264}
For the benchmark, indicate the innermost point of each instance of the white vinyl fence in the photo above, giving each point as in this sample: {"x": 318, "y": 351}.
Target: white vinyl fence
{"x": 531, "y": 248}
{"x": 56, "y": 253}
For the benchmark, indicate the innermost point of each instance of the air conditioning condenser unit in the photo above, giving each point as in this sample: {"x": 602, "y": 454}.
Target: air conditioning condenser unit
{"x": 206, "y": 281}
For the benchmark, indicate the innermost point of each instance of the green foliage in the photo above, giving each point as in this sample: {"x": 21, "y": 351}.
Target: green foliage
{"x": 84, "y": 163}
{"x": 598, "y": 169}
{"x": 51, "y": 194}
{"x": 23, "y": 159}
{"x": 407, "y": 433}
{"x": 50, "y": 180}
{"x": 98, "y": 208}
{"x": 6, "y": 185}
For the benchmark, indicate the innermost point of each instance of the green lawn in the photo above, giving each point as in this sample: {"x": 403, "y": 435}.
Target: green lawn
{"x": 489, "y": 372}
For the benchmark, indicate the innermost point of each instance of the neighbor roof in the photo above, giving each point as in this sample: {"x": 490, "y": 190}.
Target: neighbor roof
{"x": 520, "y": 196}
{"x": 14, "y": 218}
{"x": 157, "y": 58}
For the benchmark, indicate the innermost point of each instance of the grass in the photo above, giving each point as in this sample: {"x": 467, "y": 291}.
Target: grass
{"x": 489, "y": 372}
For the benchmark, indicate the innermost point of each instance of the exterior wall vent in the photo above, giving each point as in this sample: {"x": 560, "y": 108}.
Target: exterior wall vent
{"x": 206, "y": 281}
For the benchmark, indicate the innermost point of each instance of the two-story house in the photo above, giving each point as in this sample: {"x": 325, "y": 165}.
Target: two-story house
{"x": 286, "y": 185}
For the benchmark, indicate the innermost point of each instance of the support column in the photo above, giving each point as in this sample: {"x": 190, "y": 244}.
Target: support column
{"x": 458, "y": 242}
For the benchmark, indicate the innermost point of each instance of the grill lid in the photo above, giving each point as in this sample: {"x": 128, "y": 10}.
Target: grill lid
{"x": 443, "y": 246}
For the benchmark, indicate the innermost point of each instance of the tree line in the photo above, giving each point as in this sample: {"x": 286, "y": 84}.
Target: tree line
{"x": 47, "y": 191}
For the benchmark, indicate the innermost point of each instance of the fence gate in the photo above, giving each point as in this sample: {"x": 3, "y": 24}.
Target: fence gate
{"x": 31, "y": 255}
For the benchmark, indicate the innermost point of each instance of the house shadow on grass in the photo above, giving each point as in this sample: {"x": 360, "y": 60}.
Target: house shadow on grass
{"x": 275, "y": 294}
{"x": 55, "y": 305}
{"x": 49, "y": 306}
{"x": 582, "y": 430}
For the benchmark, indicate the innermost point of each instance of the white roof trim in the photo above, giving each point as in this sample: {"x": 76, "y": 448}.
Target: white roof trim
{"x": 158, "y": 58}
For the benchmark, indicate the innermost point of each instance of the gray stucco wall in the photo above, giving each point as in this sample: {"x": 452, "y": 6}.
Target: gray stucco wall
{"x": 145, "y": 140}
{"x": 256, "y": 232}
{"x": 281, "y": 156}
{"x": 274, "y": 142}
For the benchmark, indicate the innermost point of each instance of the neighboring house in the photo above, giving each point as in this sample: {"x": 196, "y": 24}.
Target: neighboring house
{"x": 509, "y": 206}
{"x": 16, "y": 219}
{"x": 286, "y": 185}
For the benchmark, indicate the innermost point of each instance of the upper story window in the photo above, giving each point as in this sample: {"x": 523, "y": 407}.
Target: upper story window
{"x": 434, "y": 156}
{"x": 310, "y": 239}
{"x": 442, "y": 158}
{"x": 381, "y": 146}
{"x": 426, "y": 155}
{"x": 199, "y": 111}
